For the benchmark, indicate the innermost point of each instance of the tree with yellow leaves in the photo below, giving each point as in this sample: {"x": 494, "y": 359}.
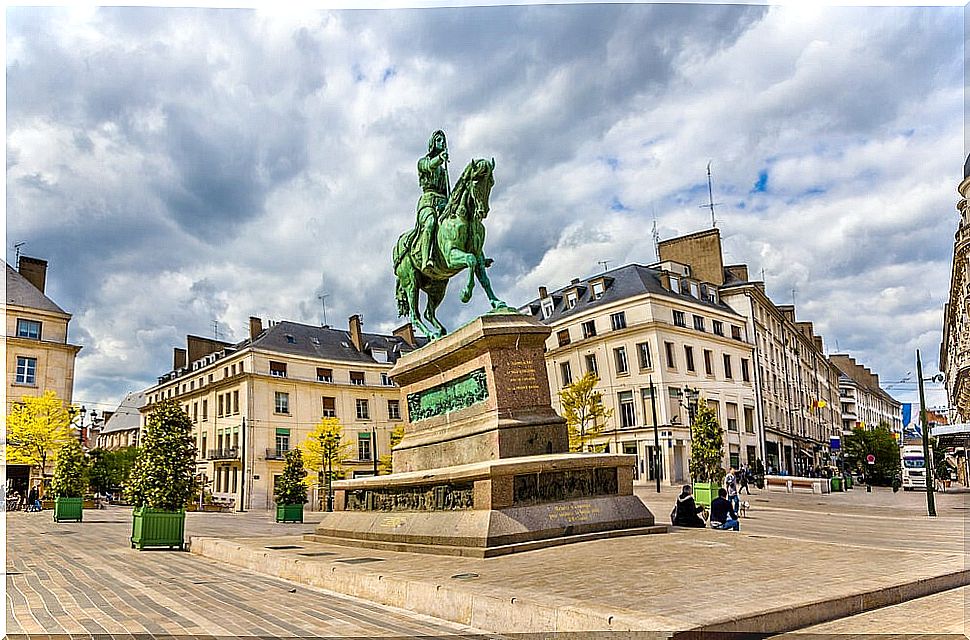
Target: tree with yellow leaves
{"x": 585, "y": 415}
{"x": 37, "y": 427}
{"x": 384, "y": 463}
{"x": 325, "y": 451}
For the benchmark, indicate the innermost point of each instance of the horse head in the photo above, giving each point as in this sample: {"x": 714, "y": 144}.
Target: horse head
{"x": 480, "y": 183}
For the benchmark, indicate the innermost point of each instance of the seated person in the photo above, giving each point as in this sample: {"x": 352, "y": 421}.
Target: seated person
{"x": 723, "y": 515}
{"x": 686, "y": 513}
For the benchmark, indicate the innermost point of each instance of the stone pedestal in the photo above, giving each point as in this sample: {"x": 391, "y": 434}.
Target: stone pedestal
{"x": 483, "y": 467}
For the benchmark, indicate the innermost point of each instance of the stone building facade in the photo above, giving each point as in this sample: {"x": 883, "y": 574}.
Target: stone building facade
{"x": 863, "y": 402}
{"x": 254, "y": 400}
{"x": 955, "y": 349}
{"x": 121, "y": 427}
{"x": 660, "y": 327}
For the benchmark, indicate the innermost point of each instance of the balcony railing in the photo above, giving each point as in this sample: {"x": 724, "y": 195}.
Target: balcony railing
{"x": 228, "y": 453}
{"x": 276, "y": 454}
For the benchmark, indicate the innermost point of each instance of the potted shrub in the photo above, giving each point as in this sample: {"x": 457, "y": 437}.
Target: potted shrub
{"x": 162, "y": 479}
{"x": 706, "y": 453}
{"x": 290, "y": 492}
{"x": 68, "y": 484}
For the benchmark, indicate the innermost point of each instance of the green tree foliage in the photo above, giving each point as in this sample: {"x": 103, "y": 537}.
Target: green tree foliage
{"x": 69, "y": 471}
{"x": 385, "y": 462}
{"x": 707, "y": 446}
{"x": 291, "y": 487}
{"x": 110, "y": 468}
{"x": 37, "y": 426}
{"x": 878, "y": 441}
{"x": 163, "y": 473}
{"x": 585, "y": 415}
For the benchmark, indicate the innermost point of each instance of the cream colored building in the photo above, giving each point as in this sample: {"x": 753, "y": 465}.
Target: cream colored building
{"x": 252, "y": 401}
{"x": 661, "y": 325}
{"x": 955, "y": 349}
{"x": 863, "y": 402}
{"x": 39, "y": 356}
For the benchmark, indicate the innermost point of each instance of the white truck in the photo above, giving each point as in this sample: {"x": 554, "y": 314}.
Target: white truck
{"x": 913, "y": 466}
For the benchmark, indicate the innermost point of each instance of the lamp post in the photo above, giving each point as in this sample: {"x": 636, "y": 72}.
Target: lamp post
{"x": 656, "y": 434}
{"x": 692, "y": 395}
{"x": 927, "y": 460}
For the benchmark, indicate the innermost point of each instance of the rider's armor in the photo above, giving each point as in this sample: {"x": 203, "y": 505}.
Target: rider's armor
{"x": 431, "y": 204}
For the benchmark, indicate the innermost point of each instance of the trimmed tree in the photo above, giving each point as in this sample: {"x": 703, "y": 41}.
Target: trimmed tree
{"x": 585, "y": 414}
{"x": 69, "y": 483}
{"x": 706, "y": 453}
{"x": 290, "y": 490}
{"x": 162, "y": 479}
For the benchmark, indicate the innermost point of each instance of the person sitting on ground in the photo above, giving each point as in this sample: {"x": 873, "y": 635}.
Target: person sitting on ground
{"x": 686, "y": 513}
{"x": 723, "y": 515}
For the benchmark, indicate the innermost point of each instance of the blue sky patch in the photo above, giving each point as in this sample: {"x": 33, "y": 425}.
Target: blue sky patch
{"x": 762, "y": 184}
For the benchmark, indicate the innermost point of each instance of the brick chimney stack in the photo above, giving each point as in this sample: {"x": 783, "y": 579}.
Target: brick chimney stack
{"x": 255, "y": 327}
{"x": 406, "y": 333}
{"x": 34, "y": 270}
{"x": 356, "y": 334}
{"x": 543, "y": 293}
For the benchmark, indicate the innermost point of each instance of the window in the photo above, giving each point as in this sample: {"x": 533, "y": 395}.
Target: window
{"x": 386, "y": 380}
{"x": 589, "y": 329}
{"x": 329, "y": 407}
{"x": 357, "y": 378}
{"x": 548, "y": 307}
{"x": 727, "y": 367}
{"x": 235, "y": 402}
{"x": 394, "y": 409}
{"x": 195, "y": 412}
{"x": 565, "y": 373}
{"x": 363, "y": 446}
{"x": 363, "y": 411}
{"x": 563, "y": 337}
{"x": 669, "y": 352}
{"x": 225, "y": 372}
{"x": 718, "y": 327}
{"x": 675, "y": 284}
{"x": 571, "y": 299}
{"x": 674, "y": 394}
{"x": 695, "y": 290}
{"x": 649, "y": 407}
{"x": 689, "y": 357}
{"x": 220, "y": 412}
{"x": 598, "y": 290}
{"x": 699, "y": 323}
{"x": 745, "y": 373}
{"x": 277, "y": 369}
{"x": 749, "y": 423}
{"x": 282, "y": 441}
{"x": 619, "y": 358}
{"x": 628, "y": 414}
{"x": 732, "y": 416}
{"x": 205, "y": 409}
{"x": 712, "y": 295}
{"x": 680, "y": 320}
{"x": 379, "y": 354}
{"x": 708, "y": 362}
{"x": 233, "y": 369}
{"x": 282, "y": 402}
{"x": 28, "y": 329}
{"x": 324, "y": 375}
{"x": 618, "y": 320}
{"x": 643, "y": 351}
{"x": 736, "y": 332}
{"x": 26, "y": 370}
{"x": 591, "y": 364}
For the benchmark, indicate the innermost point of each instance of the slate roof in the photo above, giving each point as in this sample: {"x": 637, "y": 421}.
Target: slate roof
{"x": 21, "y": 292}
{"x": 627, "y": 281}
{"x": 328, "y": 343}
{"x": 126, "y": 416}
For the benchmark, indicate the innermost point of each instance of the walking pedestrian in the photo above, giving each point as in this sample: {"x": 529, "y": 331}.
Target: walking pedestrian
{"x": 743, "y": 478}
{"x": 731, "y": 487}
{"x": 33, "y": 499}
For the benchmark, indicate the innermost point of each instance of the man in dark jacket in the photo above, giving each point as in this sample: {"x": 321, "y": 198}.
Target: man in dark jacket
{"x": 686, "y": 513}
{"x": 723, "y": 515}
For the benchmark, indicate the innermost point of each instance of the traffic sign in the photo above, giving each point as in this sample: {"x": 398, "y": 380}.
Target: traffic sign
{"x": 871, "y": 459}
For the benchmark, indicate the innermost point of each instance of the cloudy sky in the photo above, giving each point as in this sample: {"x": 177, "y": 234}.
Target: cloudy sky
{"x": 182, "y": 166}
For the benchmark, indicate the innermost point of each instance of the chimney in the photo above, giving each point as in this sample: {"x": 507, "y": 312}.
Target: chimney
{"x": 574, "y": 281}
{"x": 255, "y": 327}
{"x": 406, "y": 333}
{"x": 180, "y": 358}
{"x": 356, "y": 335}
{"x": 34, "y": 270}
{"x": 543, "y": 293}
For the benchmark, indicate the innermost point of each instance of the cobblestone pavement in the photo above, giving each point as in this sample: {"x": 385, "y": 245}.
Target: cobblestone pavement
{"x": 84, "y": 578}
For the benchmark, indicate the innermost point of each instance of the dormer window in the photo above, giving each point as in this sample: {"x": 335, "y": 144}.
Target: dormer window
{"x": 598, "y": 289}
{"x": 379, "y": 354}
{"x": 695, "y": 290}
{"x": 290, "y": 339}
{"x": 571, "y": 299}
{"x": 548, "y": 306}
{"x": 712, "y": 295}
{"x": 675, "y": 284}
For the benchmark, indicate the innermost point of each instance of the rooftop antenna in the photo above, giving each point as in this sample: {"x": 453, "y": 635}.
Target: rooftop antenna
{"x": 215, "y": 329}
{"x": 710, "y": 195}
{"x": 793, "y": 290}
{"x": 656, "y": 238}
{"x": 605, "y": 263}
{"x": 323, "y": 300}
{"x": 17, "y": 246}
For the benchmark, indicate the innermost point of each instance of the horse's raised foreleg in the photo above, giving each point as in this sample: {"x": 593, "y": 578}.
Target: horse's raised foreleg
{"x": 482, "y": 275}
{"x": 458, "y": 259}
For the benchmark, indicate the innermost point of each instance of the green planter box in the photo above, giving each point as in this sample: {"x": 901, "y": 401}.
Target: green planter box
{"x": 156, "y": 528}
{"x": 705, "y": 492}
{"x": 836, "y": 483}
{"x": 848, "y": 482}
{"x": 289, "y": 513}
{"x": 68, "y": 509}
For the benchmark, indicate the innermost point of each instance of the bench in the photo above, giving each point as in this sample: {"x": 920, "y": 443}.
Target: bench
{"x": 791, "y": 484}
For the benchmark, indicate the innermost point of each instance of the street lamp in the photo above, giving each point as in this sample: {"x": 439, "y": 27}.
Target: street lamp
{"x": 74, "y": 412}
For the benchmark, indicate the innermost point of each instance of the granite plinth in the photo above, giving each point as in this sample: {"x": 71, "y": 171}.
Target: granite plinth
{"x": 513, "y": 505}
